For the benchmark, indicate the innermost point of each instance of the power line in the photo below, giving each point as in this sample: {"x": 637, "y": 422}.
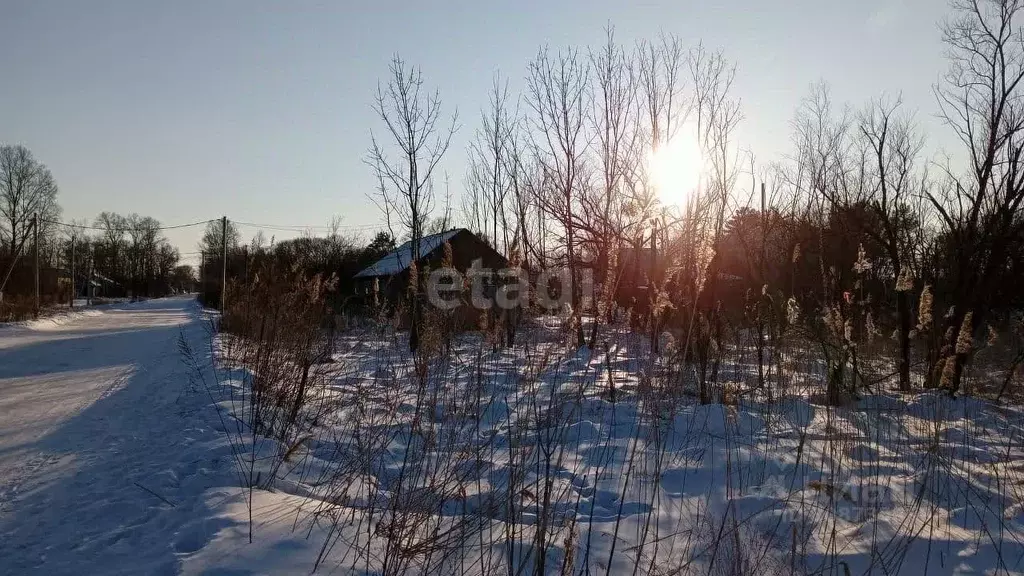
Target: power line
{"x": 86, "y": 227}
{"x": 301, "y": 228}
{"x": 273, "y": 227}
{"x": 187, "y": 225}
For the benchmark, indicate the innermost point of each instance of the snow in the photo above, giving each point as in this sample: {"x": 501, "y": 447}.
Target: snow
{"x": 400, "y": 258}
{"x": 95, "y": 421}
{"x": 113, "y": 461}
{"x": 893, "y": 484}
{"x": 55, "y": 316}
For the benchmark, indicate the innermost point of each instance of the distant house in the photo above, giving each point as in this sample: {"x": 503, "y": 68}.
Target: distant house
{"x": 391, "y": 273}
{"x": 101, "y": 286}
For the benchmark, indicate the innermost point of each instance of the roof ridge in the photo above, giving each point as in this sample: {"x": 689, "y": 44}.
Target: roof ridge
{"x": 396, "y": 261}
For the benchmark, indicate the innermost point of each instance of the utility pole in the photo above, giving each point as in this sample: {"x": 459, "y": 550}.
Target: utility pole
{"x": 654, "y": 250}
{"x": 90, "y": 290}
{"x": 72, "y": 305}
{"x": 223, "y": 262}
{"x": 202, "y": 277}
{"x": 35, "y": 257}
{"x": 651, "y": 287}
{"x": 764, "y": 236}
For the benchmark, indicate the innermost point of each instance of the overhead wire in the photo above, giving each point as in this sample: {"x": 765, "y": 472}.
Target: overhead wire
{"x": 302, "y": 228}
{"x": 87, "y": 227}
{"x": 274, "y": 227}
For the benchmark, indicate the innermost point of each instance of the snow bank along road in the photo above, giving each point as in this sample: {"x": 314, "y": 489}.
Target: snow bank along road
{"x": 104, "y": 454}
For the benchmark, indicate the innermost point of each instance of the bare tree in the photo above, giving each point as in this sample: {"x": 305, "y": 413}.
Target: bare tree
{"x": 660, "y": 69}
{"x": 143, "y": 231}
{"x": 526, "y": 179}
{"x": 414, "y": 122}
{"x": 865, "y": 166}
{"x": 891, "y": 183}
{"x": 822, "y": 178}
{"x": 557, "y": 88}
{"x": 490, "y": 174}
{"x": 618, "y": 144}
{"x": 982, "y": 100}
{"x": 212, "y": 241}
{"x": 717, "y": 115}
{"x": 660, "y": 75}
{"x": 114, "y": 227}
{"x": 165, "y": 261}
{"x": 27, "y": 188}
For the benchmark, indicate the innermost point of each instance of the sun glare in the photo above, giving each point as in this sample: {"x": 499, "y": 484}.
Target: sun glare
{"x": 676, "y": 168}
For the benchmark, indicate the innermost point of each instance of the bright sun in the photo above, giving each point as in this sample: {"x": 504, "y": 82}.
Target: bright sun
{"x": 676, "y": 167}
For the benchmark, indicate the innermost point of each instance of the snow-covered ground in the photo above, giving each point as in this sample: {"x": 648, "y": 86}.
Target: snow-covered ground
{"x": 114, "y": 459}
{"x": 460, "y": 474}
{"x": 104, "y": 455}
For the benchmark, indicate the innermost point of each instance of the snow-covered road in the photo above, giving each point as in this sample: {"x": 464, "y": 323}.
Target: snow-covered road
{"x": 105, "y": 450}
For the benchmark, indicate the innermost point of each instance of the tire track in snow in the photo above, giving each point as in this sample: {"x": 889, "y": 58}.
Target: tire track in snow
{"x": 87, "y": 410}
{"x": 12, "y": 481}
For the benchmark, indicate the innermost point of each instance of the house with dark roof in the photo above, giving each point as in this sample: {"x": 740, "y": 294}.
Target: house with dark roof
{"x": 390, "y": 274}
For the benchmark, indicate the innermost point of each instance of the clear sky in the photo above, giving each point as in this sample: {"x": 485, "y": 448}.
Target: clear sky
{"x": 188, "y": 110}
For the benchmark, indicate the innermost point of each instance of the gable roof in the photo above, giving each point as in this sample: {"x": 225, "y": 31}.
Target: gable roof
{"x": 399, "y": 259}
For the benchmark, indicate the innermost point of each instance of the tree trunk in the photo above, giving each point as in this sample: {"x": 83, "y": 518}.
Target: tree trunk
{"x": 574, "y": 289}
{"x": 414, "y": 323}
{"x": 903, "y": 320}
